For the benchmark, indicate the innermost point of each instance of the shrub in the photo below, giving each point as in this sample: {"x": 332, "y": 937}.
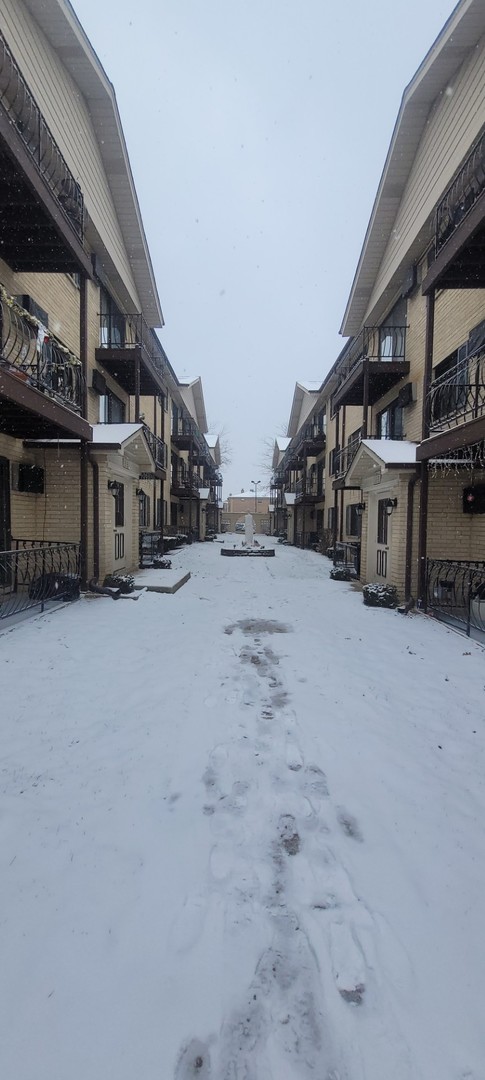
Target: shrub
{"x": 124, "y": 582}
{"x": 377, "y": 595}
{"x": 343, "y": 573}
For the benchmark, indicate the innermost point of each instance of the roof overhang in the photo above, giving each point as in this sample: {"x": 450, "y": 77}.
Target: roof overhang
{"x": 300, "y": 407}
{"x": 194, "y": 386}
{"x": 461, "y": 33}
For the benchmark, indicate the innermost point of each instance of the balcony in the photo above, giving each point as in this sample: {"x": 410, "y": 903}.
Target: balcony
{"x": 460, "y": 228}
{"x": 186, "y": 436}
{"x": 129, "y": 351}
{"x": 42, "y": 208}
{"x": 183, "y": 486}
{"x": 309, "y": 490}
{"x": 309, "y": 442}
{"x": 41, "y": 381}
{"x": 375, "y": 363}
{"x": 158, "y": 450}
{"x": 456, "y": 407}
{"x": 343, "y": 459}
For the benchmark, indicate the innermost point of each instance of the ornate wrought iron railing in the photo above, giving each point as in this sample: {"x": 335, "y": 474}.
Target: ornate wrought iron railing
{"x": 182, "y": 426}
{"x": 25, "y": 115}
{"x": 35, "y": 572}
{"x": 455, "y": 592}
{"x": 459, "y": 395}
{"x": 157, "y": 446}
{"x": 34, "y": 355}
{"x": 309, "y": 485}
{"x": 461, "y": 195}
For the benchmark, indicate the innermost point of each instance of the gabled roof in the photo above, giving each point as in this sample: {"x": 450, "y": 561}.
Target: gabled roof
{"x": 215, "y": 452}
{"x": 374, "y": 454}
{"x": 304, "y": 398}
{"x": 126, "y": 437}
{"x": 459, "y": 35}
{"x": 193, "y": 398}
{"x": 280, "y": 445}
{"x": 63, "y": 30}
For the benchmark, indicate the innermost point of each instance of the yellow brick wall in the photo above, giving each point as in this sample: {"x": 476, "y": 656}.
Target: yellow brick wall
{"x": 451, "y": 533}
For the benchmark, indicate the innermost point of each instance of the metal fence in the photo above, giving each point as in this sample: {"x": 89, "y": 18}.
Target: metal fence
{"x": 347, "y": 553}
{"x": 35, "y": 572}
{"x": 455, "y": 592}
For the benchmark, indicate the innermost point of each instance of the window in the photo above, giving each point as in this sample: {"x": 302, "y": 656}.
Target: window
{"x": 331, "y": 518}
{"x": 120, "y": 506}
{"x": 390, "y": 422}
{"x": 382, "y": 522}
{"x": 111, "y": 322}
{"x": 111, "y": 409}
{"x": 144, "y": 511}
{"x": 333, "y": 460}
{"x": 352, "y": 521}
{"x": 30, "y": 478}
{"x": 392, "y": 335}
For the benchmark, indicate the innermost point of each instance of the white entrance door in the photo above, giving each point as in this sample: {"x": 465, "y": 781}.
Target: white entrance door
{"x": 379, "y": 539}
{"x": 122, "y": 522}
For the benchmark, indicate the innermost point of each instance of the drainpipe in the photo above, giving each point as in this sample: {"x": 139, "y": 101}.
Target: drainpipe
{"x": 191, "y": 478}
{"x": 423, "y": 505}
{"x": 83, "y": 351}
{"x": 95, "y": 468}
{"x": 409, "y": 539}
{"x": 137, "y": 386}
{"x": 365, "y": 398}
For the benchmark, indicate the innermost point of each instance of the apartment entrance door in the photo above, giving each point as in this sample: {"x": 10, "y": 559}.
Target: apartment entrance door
{"x": 379, "y": 540}
{"x": 122, "y": 523}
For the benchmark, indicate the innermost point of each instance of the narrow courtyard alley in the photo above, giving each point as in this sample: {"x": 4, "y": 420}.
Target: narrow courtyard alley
{"x": 241, "y": 835}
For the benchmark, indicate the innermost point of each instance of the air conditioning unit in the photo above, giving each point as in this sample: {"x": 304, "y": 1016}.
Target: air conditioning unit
{"x": 27, "y": 478}
{"x": 98, "y": 382}
{"x": 33, "y": 308}
{"x": 407, "y": 395}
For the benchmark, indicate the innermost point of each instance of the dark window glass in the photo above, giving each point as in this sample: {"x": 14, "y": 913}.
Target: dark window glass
{"x": 120, "y": 506}
{"x": 382, "y": 522}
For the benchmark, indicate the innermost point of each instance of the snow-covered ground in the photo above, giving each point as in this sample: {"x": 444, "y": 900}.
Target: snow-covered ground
{"x": 241, "y": 835}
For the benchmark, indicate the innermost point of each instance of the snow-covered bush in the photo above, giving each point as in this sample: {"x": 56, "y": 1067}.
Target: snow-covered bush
{"x": 343, "y": 573}
{"x": 124, "y": 582}
{"x": 377, "y": 595}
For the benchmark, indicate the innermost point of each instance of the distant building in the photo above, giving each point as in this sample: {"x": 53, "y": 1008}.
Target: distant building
{"x": 236, "y": 507}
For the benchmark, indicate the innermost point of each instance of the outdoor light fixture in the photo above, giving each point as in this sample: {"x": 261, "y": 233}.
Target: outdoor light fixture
{"x": 390, "y": 505}
{"x": 359, "y": 509}
{"x": 114, "y": 486}
{"x": 139, "y": 493}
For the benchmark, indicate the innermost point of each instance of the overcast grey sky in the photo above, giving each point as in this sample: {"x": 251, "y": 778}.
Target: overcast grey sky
{"x": 257, "y": 132}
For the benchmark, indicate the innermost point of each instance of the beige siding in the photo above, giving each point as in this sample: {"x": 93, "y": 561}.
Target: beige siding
{"x": 454, "y": 122}
{"x": 67, "y": 115}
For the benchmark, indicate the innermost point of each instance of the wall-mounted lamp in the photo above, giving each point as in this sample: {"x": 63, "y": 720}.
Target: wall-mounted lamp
{"x": 390, "y": 505}
{"x": 115, "y": 487}
{"x": 359, "y": 509}
{"x": 139, "y": 493}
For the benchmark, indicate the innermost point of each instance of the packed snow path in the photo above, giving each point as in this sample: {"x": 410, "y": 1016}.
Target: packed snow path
{"x": 242, "y": 835}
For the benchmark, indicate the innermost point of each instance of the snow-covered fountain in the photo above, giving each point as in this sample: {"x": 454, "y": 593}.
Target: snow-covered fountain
{"x": 249, "y": 546}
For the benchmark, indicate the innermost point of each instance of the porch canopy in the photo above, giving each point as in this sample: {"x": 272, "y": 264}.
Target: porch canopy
{"x": 380, "y": 454}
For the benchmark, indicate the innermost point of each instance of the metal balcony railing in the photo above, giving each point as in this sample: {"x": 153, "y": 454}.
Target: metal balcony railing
{"x": 343, "y": 459}
{"x": 35, "y": 355}
{"x": 459, "y": 395}
{"x": 26, "y": 117}
{"x": 455, "y": 592}
{"x": 131, "y": 331}
{"x": 35, "y": 572}
{"x": 158, "y": 448}
{"x": 376, "y": 343}
{"x": 308, "y": 485}
{"x": 183, "y": 427}
{"x": 462, "y": 195}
